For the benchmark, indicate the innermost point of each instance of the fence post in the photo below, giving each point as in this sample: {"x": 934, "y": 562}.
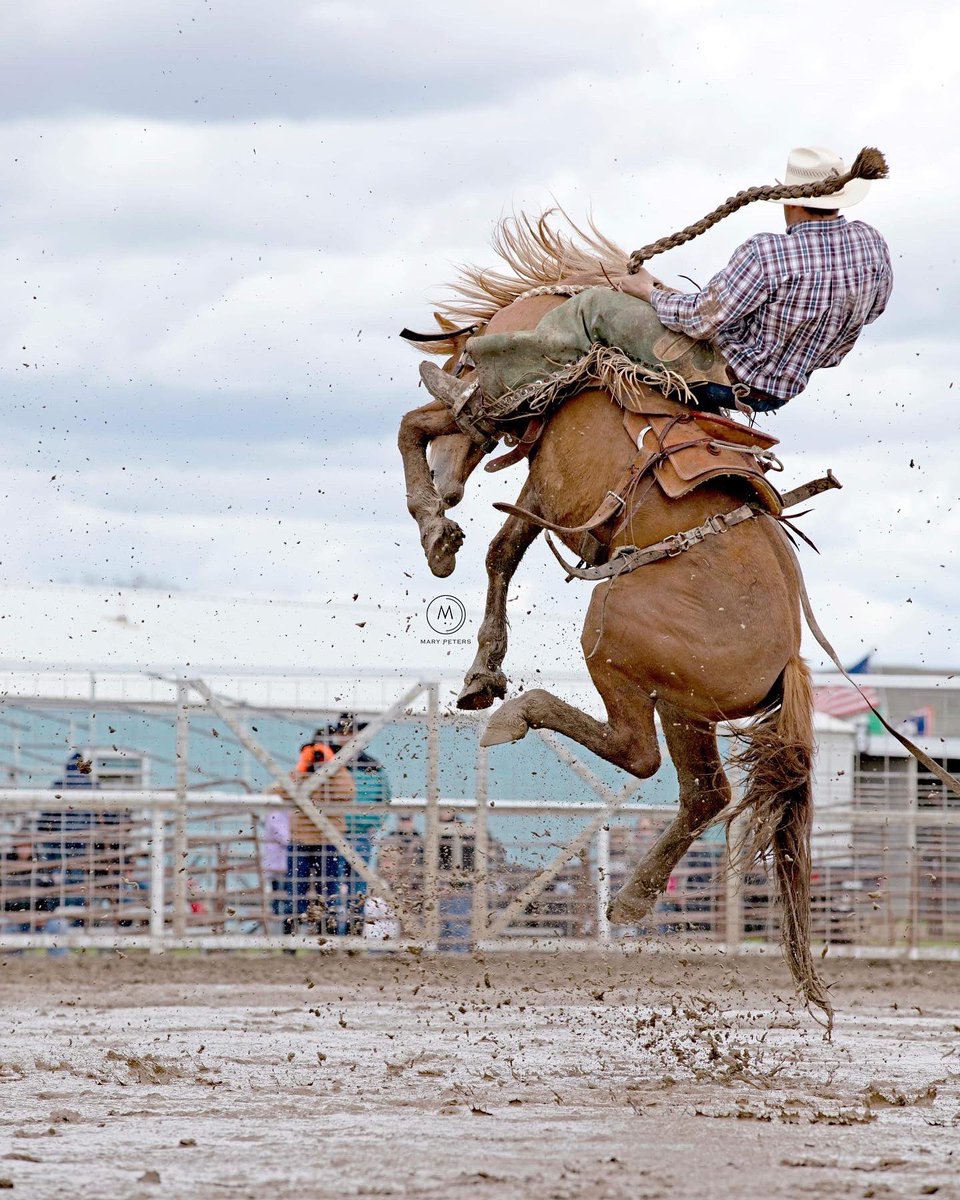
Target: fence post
{"x": 431, "y": 849}
{"x": 603, "y": 884}
{"x": 481, "y": 847}
{"x": 913, "y": 849}
{"x": 733, "y": 897}
{"x": 180, "y": 813}
{"x": 157, "y": 849}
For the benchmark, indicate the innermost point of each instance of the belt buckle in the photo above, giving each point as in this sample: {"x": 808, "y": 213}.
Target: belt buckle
{"x": 717, "y": 523}
{"x": 676, "y": 544}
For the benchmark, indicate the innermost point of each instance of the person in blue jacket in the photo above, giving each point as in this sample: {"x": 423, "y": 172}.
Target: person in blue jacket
{"x": 373, "y": 788}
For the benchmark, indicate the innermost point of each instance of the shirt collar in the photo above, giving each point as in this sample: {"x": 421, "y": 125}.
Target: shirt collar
{"x": 831, "y": 224}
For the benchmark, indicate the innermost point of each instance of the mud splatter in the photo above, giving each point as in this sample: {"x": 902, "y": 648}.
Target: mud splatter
{"x": 484, "y": 1077}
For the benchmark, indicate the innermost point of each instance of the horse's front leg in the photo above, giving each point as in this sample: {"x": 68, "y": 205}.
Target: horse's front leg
{"x": 485, "y": 681}
{"x": 440, "y": 537}
{"x": 628, "y": 738}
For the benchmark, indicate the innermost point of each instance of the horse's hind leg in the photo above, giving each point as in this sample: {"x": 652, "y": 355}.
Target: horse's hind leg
{"x": 704, "y": 793}
{"x": 485, "y": 681}
{"x": 440, "y": 537}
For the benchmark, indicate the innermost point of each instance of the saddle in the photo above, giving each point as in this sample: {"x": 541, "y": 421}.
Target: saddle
{"x": 696, "y": 447}
{"x": 679, "y": 449}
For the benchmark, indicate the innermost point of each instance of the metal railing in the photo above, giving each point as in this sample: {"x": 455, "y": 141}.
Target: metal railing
{"x": 166, "y": 868}
{"x": 504, "y": 874}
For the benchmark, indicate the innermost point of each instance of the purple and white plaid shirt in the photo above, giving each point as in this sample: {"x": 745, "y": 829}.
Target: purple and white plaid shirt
{"x": 788, "y": 303}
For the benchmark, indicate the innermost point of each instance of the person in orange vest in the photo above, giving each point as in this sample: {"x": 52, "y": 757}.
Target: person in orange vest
{"x": 318, "y": 877}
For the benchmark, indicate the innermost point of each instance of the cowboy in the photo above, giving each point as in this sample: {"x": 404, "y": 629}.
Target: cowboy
{"x": 784, "y": 306}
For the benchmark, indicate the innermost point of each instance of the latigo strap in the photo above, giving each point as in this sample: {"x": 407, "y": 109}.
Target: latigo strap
{"x": 629, "y": 558}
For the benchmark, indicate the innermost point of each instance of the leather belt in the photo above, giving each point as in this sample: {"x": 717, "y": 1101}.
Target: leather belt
{"x": 749, "y": 392}
{"x": 628, "y": 558}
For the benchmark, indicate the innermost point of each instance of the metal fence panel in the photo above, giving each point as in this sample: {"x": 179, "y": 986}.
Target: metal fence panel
{"x": 161, "y": 868}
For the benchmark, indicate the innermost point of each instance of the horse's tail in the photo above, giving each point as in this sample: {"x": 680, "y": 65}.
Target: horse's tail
{"x": 777, "y": 764}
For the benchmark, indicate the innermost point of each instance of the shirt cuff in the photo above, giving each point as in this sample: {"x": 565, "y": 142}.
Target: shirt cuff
{"x": 666, "y": 305}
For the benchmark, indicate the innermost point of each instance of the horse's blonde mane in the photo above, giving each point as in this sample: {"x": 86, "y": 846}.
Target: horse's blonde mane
{"x": 537, "y": 255}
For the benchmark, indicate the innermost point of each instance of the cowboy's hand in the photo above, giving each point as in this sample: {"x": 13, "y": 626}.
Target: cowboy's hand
{"x": 639, "y": 285}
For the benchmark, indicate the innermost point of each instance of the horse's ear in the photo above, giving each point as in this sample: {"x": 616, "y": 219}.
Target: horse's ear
{"x": 444, "y": 323}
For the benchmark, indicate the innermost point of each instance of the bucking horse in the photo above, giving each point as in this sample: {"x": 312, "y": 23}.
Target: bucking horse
{"x": 696, "y": 613}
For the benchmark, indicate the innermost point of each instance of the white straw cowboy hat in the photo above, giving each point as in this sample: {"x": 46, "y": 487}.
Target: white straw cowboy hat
{"x": 814, "y": 164}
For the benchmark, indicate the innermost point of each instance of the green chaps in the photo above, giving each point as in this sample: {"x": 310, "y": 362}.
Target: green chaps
{"x": 509, "y": 361}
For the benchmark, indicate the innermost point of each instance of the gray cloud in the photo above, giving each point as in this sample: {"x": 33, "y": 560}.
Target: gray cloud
{"x": 207, "y": 294}
{"x": 202, "y": 60}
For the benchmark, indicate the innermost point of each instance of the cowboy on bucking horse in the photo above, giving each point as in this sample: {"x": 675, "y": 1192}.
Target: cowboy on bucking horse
{"x": 696, "y": 616}
{"x": 784, "y": 306}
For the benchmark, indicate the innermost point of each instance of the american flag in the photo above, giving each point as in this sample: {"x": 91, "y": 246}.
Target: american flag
{"x": 843, "y": 700}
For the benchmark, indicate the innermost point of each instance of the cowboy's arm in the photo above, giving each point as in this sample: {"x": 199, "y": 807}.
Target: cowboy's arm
{"x": 733, "y": 292}
{"x": 884, "y": 288}
{"x": 881, "y": 297}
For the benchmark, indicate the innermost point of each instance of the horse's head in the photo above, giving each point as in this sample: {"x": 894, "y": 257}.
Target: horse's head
{"x": 453, "y": 459}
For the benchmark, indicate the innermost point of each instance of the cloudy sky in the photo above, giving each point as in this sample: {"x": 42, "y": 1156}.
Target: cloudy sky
{"x": 214, "y": 218}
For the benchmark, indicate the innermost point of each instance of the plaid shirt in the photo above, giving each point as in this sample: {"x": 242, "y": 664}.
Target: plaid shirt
{"x": 789, "y": 303}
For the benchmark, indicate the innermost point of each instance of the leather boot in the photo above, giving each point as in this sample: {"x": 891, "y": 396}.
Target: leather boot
{"x": 445, "y": 387}
{"x": 456, "y": 395}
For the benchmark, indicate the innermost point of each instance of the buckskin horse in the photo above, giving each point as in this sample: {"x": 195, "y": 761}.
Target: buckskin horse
{"x": 708, "y": 635}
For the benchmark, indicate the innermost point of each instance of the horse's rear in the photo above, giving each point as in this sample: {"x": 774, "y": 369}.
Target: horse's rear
{"x": 711, "y": 634}
{"x": 710, "y": 630}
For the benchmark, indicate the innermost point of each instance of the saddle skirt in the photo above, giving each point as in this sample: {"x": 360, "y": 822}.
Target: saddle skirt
{"x": 699, "y": 447}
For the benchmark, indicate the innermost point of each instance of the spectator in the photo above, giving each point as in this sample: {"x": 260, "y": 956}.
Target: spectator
{"x": 400, "y": 851}
{"x": 86, "y": 851}
{"x": 455, "y": 862}
{"x": 315, "y": 869}
{"x": 372, "y": 788}
{"x": 274, "y": 853}
{"x": 406, "y": 838}
{"x": 25, "y": 887}
{"x": 381, "y": 923}
{"x": 456, "y": 848}
{"x": 69, "y": 851}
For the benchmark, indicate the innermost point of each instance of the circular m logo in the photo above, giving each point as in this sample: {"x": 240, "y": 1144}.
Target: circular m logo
{"x": 446, "y": 614}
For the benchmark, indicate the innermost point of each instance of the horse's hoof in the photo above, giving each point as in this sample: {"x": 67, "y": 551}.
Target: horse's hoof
{"x": 481, "y": 688}
{"x": 623, "y": 910}
{"x": 441, "y": 538}
{"x": 508, "y": 724}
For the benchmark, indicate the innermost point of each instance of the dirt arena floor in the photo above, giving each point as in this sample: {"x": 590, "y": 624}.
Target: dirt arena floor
{"x": 531, "y": 1077}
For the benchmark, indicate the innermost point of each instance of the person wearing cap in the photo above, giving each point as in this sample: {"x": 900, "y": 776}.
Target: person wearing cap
{"x": 785, "y": 305}
{"x": 317, "y": 876}
{"x": 372, "y": 788}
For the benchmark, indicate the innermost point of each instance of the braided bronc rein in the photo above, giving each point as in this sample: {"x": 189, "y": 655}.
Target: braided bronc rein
{"x": 869, "y": 164}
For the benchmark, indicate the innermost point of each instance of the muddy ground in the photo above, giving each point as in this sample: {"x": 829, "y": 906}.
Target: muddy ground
{"x": 530, "y": 1076}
